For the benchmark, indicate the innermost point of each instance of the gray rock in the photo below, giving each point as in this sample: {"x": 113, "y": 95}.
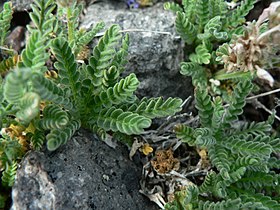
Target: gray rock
{"x": 155, "y": 50}
{"x": 83, "y": 174}
{"x": 21, "y": 5}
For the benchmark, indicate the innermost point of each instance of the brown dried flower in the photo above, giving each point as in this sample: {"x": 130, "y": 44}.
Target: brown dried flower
{"x": 254, "y": 51}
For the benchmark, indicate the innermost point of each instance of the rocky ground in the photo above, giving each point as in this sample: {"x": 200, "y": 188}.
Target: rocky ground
{"x": 86, "y": 173}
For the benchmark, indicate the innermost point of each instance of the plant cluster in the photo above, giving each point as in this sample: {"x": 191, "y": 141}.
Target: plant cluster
{"x": 57, "y": 85}
{"x": 216, "y": 37}
{"x": 44, "y": 103}
{"x": 243, "y": 156}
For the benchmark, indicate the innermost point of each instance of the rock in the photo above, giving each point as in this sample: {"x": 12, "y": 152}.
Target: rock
{"x": 21, "y": 5}
{"x": 155, "y": 50}
{"x": 83, "y": 174}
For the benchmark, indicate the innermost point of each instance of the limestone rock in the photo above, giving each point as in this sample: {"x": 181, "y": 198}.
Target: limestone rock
{"x": 84, "y": 174}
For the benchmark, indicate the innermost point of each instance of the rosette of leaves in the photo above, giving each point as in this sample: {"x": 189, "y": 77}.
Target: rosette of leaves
{"x": 243, "y": 159}
{"x": 91, "y": 95}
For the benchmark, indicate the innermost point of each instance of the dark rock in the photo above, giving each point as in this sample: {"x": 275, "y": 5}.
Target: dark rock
{"x": 83, "y": 174}
{"x": 155, "y": 50}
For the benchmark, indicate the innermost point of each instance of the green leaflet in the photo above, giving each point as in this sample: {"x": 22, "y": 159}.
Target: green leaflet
{"x": 50, "y": 91}
{"x": 103, "y": 54}
{"x": 29, "y": 107}
{"x": 240, "y": 153}
{"x": 42, "y": 16}
{"x": 173, "y": 7}
{"x": 201, "y": 55}
{"x": 185, "y": 133}
{"x": 237, "y": 17}
{"x": 9, "y": 175}
{"x": 16, "y": 85}
{"x": 229, "y": 204}
{"x": 34, "y": 56}
{"x": 125, "y": 122}
{"x": 238, "y": 101}
{"x": 59, "y": 137}
{"x": 38, "y": 139}
{"x": 120, "y": 58}
{"x": 6, "y": 16}
{"x": 86, "y": 37}
{"x": 156, "y": 107}
{"x": 118, "y": 93}
{"x": 185, "y": 28}
{"x": 54, "y": 118}
{"x": 204, "y": 106}
{"x": 66, "y": 65}
{"x": 110, "y": 77}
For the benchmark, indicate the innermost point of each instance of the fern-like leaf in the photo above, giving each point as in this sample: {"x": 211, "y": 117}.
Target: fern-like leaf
{"x": 266, "y": 202}
{"x": 219, "y": 157}
{"x": 10, "y": 150}
{"x": 257, "y": 180}
{"x": 66, "y": 65}
{"x": 125, "y": 122}
{"x": 120, "y": 59}
{"x": 201, "y": 55}
{"x": 50, "y": 91}
{"x": 274, "y": 163}
{"x": 42, "y": 16}
{"x": 237, "y": 17}
{"x": 29, "y": 107}
{"x": 172, "y": 6}
{"x": 218, "y": 112}
{"x": 157, "y": 107}
{"x": 117, "y": 94}
{"x": 34, "y": 55}
{"x": 102, "y": 56}
{"x": 185, "y": 133}
{"x": 204, "y": 137}
{"x": 208, "y": 183}
{"x": 213, "y": 29}
{"x": 221, "y": 52}
{"x": 111, "y": 77}
{"x": 202, "y": 12}
{"x": 5, "y": 19}
{"x": 54, "y": 118}
{"x": 245, "y": 147}
{"x": 189, "y": 68}
{"x": 59, "y": 137}
{"x": 8, "y": 176}
{"x": 245, "y": 161}
{"x": 225, "y": 204}
{"x": 185, "y": 28}
{"x": 16, "y": 85}
{"x": 260, "y": 128}
{"x": 204, "y": 107}
{"x": 238, "y": 101}
{"x": 37, "y": 140}
{"x": 87, "y": 37}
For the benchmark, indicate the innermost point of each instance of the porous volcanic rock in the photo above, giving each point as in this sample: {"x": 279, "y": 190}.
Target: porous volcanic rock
{"x": 83, "y": 174}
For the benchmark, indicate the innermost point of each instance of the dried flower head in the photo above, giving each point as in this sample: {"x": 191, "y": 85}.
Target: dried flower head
{"x": 255, "y": 51}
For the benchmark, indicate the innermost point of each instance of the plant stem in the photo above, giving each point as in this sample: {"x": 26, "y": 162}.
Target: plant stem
{"x": 70, "y": 25}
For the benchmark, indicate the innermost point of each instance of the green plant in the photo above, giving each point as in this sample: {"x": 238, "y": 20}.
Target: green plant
{"x": 92, "y": 95}
{"x": 241, "y": 154}
{"x": 40, "y": 105}
{"x": 217, "y": 42}
{"x": 244, "y": 166}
